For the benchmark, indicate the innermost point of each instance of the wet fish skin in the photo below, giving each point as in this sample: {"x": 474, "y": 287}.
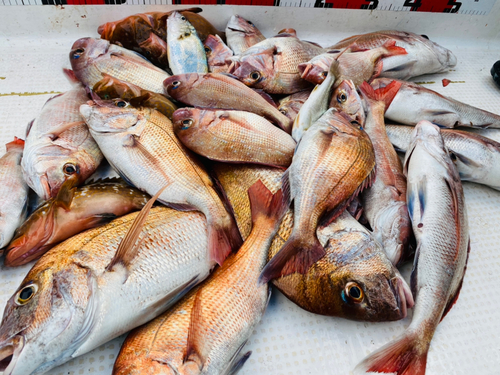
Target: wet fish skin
{"x": 439, "y": 219}
{"x": 78, "y": 304}
{"x": 141, "y": 145}
{"x": 242, "y": 34}
{"x": 414, "y": 103}
{"x": 221, "y": 313}
{"x": 58, "y": 144}
{"x": 272, "y": 65}
{"x": 352, "y": 254}
{"x": 64, "y": 216}
{"x": 345, "y": 98}
{"x": 476, "y": 158}
{"x": 233, "y": 136}
{"x": 341, "y": 156}
{"x": 13, "y": 192}
{"x": 217, "y": 54}
{"x": 316, "y": 69}
{"x": 185, "y": 49}
{"x": 213, "y": 90}
{"x": 291, "y": 105}
{"x": 91, "y": 57}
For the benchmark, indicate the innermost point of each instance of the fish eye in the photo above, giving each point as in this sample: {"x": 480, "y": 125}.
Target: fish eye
{"x": 250, "y": 23}
{"x": 283, "y": 111}
{"x": 69, "y": 169}
{"x": 342, "y": 97}
{"x": 323, "y": 74}
{"x": 255, "y": 75}
{"x": 207, "y": 50}
{"x": 183, "y": 18}
{"x": 176, "y": 84}
{"x": 78, "y": 52}
{"x": 354, "y": 292}
{"x": 26, "y": 294}
{"x": 187, "y": 34}
{"x": 121, "y": 103}
{"x": 186, "y": 123}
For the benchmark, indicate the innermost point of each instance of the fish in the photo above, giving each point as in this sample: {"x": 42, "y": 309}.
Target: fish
{"x": 186, "y": 53}
{"x": 272, "y": 65}
{"x": 333, "y": 162}
{"x": 242, "y": 34}
{"x": 13, "y": 192}
{"x": 206, "y": 332}
{"x": 141, "y": 146}
{"x": 414, "y": 103}
{"x": 476, "y": 158}
{"x": 58, "y": 145}
{"x": 233, "y": 136}
{"x": 345, "y": 98}
{"x": 354, "y": 258}
{"x": 72, "y": 211}
{"x": 97, "y": 285}
{"x": 439, "y": 219}
{"x": 217, "y": 54}
{"x": 423, "y": 55}
{"x": 316, "y": 69}
{"x": 290, "y": 105}
{"x": 90, "y": 58}
{"x": 384, "y": 203}
{"x": 112, "y": 88}
{"x": 216, "y": 90}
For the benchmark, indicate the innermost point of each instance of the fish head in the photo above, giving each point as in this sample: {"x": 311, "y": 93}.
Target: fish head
{"x": 217, "y": 52}
{"x": 44, "y": 320}
{"x": 110, "y": 87}
{"x": 238, "y": 24}
{"x": 178, "y": 86}
{"x": 346, "y": 98}
{"x": 84, "y": 52}
{"x": 445, "y": 57}
{"x": 317, "y": 68}
{"x": 290, "y": 106}
{"x": 257, "y": 69}
{"x": 179, "y": 26}
{"x": 186, "y": 121}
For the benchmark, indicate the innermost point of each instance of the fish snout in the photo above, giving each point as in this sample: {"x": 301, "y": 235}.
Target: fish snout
{"x": 9, "y": 353}
{"x": 425, "y": 129}
{"x": 402, "y": 294}
{"x": 312, "y": 73}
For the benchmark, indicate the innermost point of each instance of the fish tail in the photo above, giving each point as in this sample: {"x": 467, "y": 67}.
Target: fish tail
{"x": 265, "y": 205}
{"x": 405, "y": 356}
{"x": 384, "y": 94}
{"x": 16, "y": 143}
{"x": 394, "y": 50}
{"x": 296, "y": 255}
{"x": 222, "y": 239}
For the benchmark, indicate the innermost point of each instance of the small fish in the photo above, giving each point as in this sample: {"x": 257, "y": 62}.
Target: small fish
{"x": 58, "y": 145}
{"x": 439, "y": 219}
{"x": 316, "y": 69}
{"x": 477, "y": 158}
{"x": 272, "y": 65}
{"x": 346, "y": 99}
{"x": 333, "y": 162}
{"x": 90, "y": 58}
{"x": 384, "y": 203}
{"x": 423, "y": 55}
{"x": 72, "y": 211}
{"x": 414, "y": 103}
{"x": 291, "y": 104}
{"x": 242, "y": 34}
{"x": 355, "y": 280}
{"x": 142, "y": 147}
{"x": 13, "y": 192}
{"x": 206, "y": 331}
{"x": 186, "y": 53}
{"x": 112, "y": 88}
{"x": 233, "y": 136}
{"x": 214, "y": 90}
{"x": 217, "y": 54}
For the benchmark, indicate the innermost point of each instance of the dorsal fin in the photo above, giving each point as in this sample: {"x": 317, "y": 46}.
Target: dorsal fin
{"x": 56, "y": 131}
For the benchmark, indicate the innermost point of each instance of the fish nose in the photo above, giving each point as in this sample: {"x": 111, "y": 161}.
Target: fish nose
{"x": 9, "y": 352}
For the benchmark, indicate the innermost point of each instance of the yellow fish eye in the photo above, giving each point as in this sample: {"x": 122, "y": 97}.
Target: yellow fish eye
{"x": 26, "y": 294}
{"x": 354, "y": 292}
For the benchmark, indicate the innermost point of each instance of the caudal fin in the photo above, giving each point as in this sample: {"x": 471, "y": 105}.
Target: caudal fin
{"x": 296, "y": 255}
{"x": 266, "y": 206}
{"x": 223, "y": 240}
{"x": 393, "y": 49}
{"x": 404, "y": 356}
{"x": 384, "y": 94}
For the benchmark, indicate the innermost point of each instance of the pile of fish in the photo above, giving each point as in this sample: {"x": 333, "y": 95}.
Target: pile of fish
{"x": 249, "y": 160}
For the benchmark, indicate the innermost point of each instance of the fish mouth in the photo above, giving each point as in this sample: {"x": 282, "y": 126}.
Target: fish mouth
{"x": 402, "y": 294}
{"x": 9, "y": 353}
{"x": 45, "y": 187}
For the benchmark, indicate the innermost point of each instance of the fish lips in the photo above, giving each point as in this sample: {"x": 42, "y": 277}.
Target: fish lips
{"x": 403, "y": 295}
{"x": 10, "y": 350}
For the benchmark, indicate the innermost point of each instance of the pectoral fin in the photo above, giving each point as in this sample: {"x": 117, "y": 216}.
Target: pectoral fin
{"x": 237, "y": 361}
{"x": 64, "y": 197}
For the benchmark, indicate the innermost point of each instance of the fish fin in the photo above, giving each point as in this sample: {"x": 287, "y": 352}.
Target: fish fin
{"x": 403, "y": 357}
{"x": 313, "y": 43}
{"x": 465, "y": 160}
{"x": 294, "y": 256}
{"x": 16, "y": 143}
{"x": 127, "y": 249}
{"x": 288, "y": 31}
{"x": 417, "y": 195}
{"x": 28, "y": 127}
{"x": 393, "y": 49}
{"x": 221, "y": 241}
{"x": 266, "y": 96}
{"x": 285, "y": 186}
{"x": 229, "y": 75}
{"x": 266, "y": 205}
{"x": 454, "y": 298}
{"x": 194, "y": 345}
{"x": 71, "y": 76}
{"x": 175, "y": 295}
{"x": 285, "y": 35}
{"x": 377, "y": 69}
{"x": 402, "y": 67}
{"x": 384, "y": 94}
{"x": 138, "y": 101}
{"x": 66, "y": 193}
{"x": 56, "y": 131}
{"x": 237, "y": 361}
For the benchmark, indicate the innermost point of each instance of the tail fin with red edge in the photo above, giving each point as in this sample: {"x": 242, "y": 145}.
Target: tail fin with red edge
{"x": 393, "y": 49}
{"x": 405, "y": 356}
{"x": 222, "y": 240}
{"x": 266, "y": 205}
{"x": 16, "y": 143}
{"x": 384, "y": 94}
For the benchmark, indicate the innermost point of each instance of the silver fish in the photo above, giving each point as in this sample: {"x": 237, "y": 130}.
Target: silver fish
{"x": 241, "y": 34}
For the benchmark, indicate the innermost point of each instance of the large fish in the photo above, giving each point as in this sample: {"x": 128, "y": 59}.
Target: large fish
{"x": 112, "y": 88}
{"x": 72, "y": 211}
{"x": 242, "y": 34}
{"x": 333, "y": 162}
{"x": 217, "y": 54}
{"x": 423, "y": 55}
{"x": 58, "y": 145}
{"x": 90, "y": 58}
{"x": 290, "y": 105}
{"x": 272, "y": 65}
{"x": 439, "y": 219}
{"x": 186, "y": 53}
{"x": 215, "y": 90}
{"x": 355, "y": 262}
{"x": 233, "y": 136}
{"x": 477, "y": 158}
{"x": 206, "y": 331}
{"x": 414, "y": 103}
{"x": 384, "y": 203}
{"x": 141, "y": 145}
{"x": 98, "y": 285}
{"x": 13, "y": 192}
